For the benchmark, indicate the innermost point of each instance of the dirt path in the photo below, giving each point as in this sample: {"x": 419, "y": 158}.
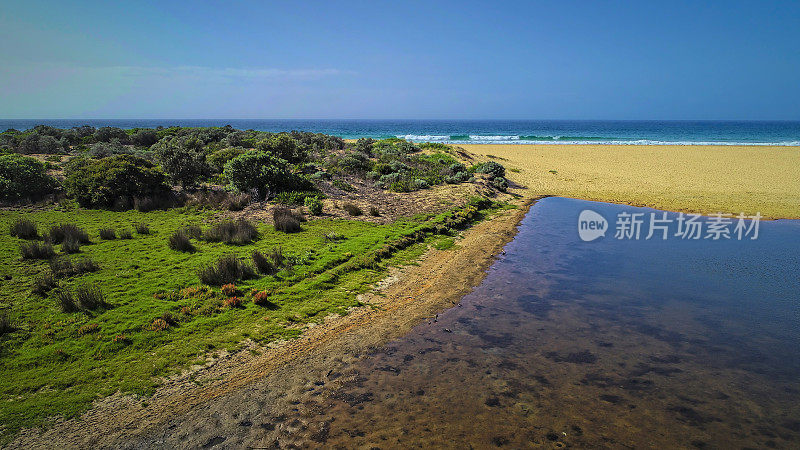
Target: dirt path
{"x": 242, "y": 399}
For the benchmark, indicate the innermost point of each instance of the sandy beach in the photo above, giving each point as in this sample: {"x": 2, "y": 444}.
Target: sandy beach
{"x": 688, "y": 178}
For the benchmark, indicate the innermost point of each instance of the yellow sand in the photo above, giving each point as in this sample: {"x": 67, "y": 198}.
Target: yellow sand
{"x": 701, "y": 179}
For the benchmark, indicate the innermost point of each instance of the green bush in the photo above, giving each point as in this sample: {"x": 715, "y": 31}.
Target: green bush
{"x": 263, "y": 173}
{"x": 183, "y": 159}
{"x": 491, "y": 168}
{"x": 104, "y": 182}
{"x": 219, "y": 158}
{"x": 500, "y": 183}
{"x": 314, "y": 205}
{"x": 23, "y": 177}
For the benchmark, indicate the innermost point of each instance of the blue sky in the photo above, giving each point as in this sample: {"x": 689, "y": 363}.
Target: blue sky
{"x": 481, "y": 60}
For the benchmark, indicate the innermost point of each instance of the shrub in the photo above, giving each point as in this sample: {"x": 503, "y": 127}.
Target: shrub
{"x": 500, "y": 183}
{"x": 193, "y": 231}
{"x": 63, "y": 267}
{"x": 180, "y": 241}
{"x": 456, "y": 168}
{"x": 277, "y": 256}
{"x": 66, "y": 302}
{"x": 24, "y": 229}
{"x": 66, "y": 231}
{"x": 182, "y": 158}
{"x": 459, "y": 177}
{"x": 125, "y": 234}
{"x": 102, "y": 182}
{"x": 420, "y": 184}
{"x": 492, "y": 168}
{"x": 6, "y": 326}
{"x": 228, "y": 269}
{"x": 263, "y": 264}
{"x": 43, "y": 283}
{"x": 343, "y": 185}
{"x": 219, "y": 158}
{"x": 239, "y": 232}
{"x": 373, "y": 211}
{"x": 142, "y": 228}
{"x": 89, "y": 297}
{"x": 352, "y": 209}
{"x": 314, "y": 205}
{"x": 107, "y": 233}
{"x": 159, "y": 324}
{"x": 70, "y": 245}
{"x": 232, "y": 302}
{"x": 286, "y": 220}
{"x": 264, "y": 173}
{"x": 261, "y": 298}
{"x": 36, "y": 250}
{"x": 229, "y": 290}
{"x": 23, "y": 177}
{"x": 238, "y": 202}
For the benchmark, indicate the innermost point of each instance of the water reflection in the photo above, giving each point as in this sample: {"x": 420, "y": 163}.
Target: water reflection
{"x": 608, "y": 343}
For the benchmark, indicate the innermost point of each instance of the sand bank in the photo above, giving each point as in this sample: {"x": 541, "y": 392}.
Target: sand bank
{"x": 701, "y": 179}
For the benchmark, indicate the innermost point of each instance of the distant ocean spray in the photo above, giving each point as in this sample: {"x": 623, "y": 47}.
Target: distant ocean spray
{"x": 492, "y": 131}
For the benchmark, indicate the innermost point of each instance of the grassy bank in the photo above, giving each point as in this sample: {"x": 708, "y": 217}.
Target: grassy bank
{"x": 157, "y": 318}
{"x": 702, "y": 179}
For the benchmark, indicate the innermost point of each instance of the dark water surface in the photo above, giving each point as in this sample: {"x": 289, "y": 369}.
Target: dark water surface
{"x": 617, "y": 344}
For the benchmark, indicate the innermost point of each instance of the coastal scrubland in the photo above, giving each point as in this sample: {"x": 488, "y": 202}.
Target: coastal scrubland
{"x": 130, "y": 255}
{"x": 698, "y": 179}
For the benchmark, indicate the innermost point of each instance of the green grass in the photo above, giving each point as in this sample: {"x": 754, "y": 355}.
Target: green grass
{"x": 57, "y": 363}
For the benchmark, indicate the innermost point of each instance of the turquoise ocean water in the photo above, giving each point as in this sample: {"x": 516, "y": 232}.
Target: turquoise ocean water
{"x": 491, "y": 131}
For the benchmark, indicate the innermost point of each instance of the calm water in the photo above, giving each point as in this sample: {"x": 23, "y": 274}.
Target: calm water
{"x": 493, "y": 131}
{"x": 616, "y": 344}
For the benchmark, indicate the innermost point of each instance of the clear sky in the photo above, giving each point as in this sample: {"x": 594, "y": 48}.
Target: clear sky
{"x": 400, "y": 59}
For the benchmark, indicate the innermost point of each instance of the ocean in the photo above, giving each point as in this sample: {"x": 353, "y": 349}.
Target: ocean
{"x": 491, "y": 131}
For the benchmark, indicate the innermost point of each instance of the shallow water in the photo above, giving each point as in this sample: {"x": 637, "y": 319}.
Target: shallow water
{"x": 611, "y": 343}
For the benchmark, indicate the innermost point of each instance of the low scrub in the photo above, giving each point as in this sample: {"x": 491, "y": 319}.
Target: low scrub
{"x": 180, "y": 241}
{"x": 44, "y": 283}
{"x": 314, "y": 205}
{"x": 261, "y": 298}
{"x": 36, "y": 250}
{"x": 142, "y": 228}
{"x": 286, "y": 220}
{"x": 24, "y": 229}
{"x": 107, "y": 233}
{"x": 239, "y": 232}
{"x": 233, "y": 302}
{"x": 6, "y": 326}
{"x": 70, "y": 245}
{"x": 263, "y": 264}
{"x": 60, "y": 233}
{"x": 228, "y": 269}
{"x": 64, "y": 267}
{"x": 87, "y": 297}
{"x": 229, "y": 290}
{"x": 373, "y": 211}
{"x": 352, "y": 209}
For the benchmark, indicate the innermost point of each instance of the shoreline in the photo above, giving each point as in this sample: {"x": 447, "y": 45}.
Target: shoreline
{"x": 405, "y": 298}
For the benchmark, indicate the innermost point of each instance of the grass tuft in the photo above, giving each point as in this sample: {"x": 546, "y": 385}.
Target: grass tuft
{"x": 240, "y": 232}
{"x": 179, "y": 241}
{"x": 352, "y": 209}
{"x": 142, "y": 228}
{"x": 286, "y": 220}
{"x": 36, "y": 250}
{"x": 263, "y": 264}
{"x": 107, "y": 233}
{"x": 24, "y": 229}
{"x": 61, "y": 233}
{"x": 227, "y": 269}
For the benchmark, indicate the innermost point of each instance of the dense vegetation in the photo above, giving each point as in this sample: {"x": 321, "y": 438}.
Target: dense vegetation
{"x": 101, "y": 163}
{"x": 129, "y": 268}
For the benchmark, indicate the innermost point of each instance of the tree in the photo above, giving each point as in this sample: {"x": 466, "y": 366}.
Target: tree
{"x": 102, "y": 182}
{"x": 182, "y": 159}
{"x": 263, "y": 172}
{"x": 23, "y": 177}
